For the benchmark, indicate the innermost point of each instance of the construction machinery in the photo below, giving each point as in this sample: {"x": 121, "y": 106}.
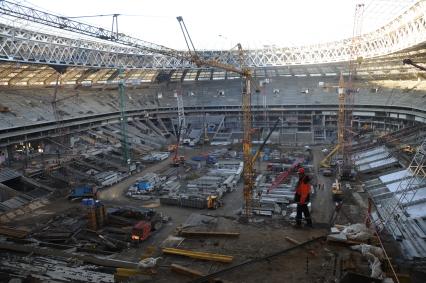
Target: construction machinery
{"x": 123, "y": 121}
{"x": 346, "y": 100}
{"x": 213, "y": 202}
{"x": 60, "y": 131}
{"x": 178, "y": 160}
{"x": 326, "y": 162}
{"x": 256, "y": 155}
{"x": 336, "y": 191}
{"x": 410, "y": 62}
{"x": 284, "y": 175}
{"x": 143, "y": 221}
{"x": 247, "y": 77}
{"x": 408, "y": 149}
{"x": 171, "y": 147}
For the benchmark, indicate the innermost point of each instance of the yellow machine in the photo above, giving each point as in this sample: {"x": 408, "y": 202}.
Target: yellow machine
{"x": 325, "y": 163}
{"x": 336, "y": 191}
{"x": 213, "y": 202}
{"x": 408, "y": 149}
{"x": 172, "y": 147}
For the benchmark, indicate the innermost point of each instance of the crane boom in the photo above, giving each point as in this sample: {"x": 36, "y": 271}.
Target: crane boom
{"x": 325, "y": 163}
{"x": 64, "y": 23}
{"x": 247, "y": 77}
{"x": 410, "y": 62}
{"x": 256, "y": 155}
{"x": 283, "y": 176}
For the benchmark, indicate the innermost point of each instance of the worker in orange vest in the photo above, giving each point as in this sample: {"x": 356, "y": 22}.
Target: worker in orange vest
{"x": 301, "y": 197}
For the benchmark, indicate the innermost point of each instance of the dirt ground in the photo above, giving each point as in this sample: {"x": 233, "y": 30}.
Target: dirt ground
{"x": 318, "y": 262}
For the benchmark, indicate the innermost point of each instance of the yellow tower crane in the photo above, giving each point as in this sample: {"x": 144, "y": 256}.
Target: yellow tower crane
{"x": 247, "y": 77}
{"x": 341, "y": 117}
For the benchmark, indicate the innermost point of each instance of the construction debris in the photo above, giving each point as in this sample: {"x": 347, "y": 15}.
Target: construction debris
{"x": 208, "y": 234}
{"x": 12, "y": 232}
{"x": 373, "y": 255}
{"x": 199, "y": 255}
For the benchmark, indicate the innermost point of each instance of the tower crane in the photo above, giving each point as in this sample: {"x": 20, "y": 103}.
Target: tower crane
{"x": 247, "y": 77}
{"x": 147, "y": 48}
{"x": 345, "y": 148}
{"x": 60, "y": 131}
{"x": 177, "y": 160}
{"x": 123, "y": 122}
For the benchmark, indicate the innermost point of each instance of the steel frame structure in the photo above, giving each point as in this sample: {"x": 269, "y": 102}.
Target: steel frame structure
{"x": 394, "y": 212}
{"x": 23, "y": 45}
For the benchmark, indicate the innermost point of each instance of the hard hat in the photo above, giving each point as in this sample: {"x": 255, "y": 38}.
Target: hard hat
{"x": 301, "y": 171}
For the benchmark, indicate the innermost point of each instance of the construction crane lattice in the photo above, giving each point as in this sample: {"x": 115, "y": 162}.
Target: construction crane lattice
{"x": 123, "y": 121}
{"x": 394, "y": 211}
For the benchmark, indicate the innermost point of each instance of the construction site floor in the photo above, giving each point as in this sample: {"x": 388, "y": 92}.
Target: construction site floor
{"x": 260, "y": 237}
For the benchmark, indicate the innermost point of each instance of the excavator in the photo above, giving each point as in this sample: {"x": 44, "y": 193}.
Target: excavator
{"x": 326, "y": 162}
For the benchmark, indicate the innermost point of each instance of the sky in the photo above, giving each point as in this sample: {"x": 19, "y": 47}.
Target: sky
{"x": 222, "y": 23}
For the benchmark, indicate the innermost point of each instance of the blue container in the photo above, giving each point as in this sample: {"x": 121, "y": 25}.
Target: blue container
{"x": 144, "y": 186}
{"x": 88, "y": 202}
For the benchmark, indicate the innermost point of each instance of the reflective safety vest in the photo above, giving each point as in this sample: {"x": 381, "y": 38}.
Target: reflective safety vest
{"x": 303, "y": 191}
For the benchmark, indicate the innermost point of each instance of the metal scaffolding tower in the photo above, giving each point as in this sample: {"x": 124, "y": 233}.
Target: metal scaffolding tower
{"x": 123, "y": 121}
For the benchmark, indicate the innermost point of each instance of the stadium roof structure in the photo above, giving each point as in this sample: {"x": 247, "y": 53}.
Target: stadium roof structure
{"x": 31, "y": 54}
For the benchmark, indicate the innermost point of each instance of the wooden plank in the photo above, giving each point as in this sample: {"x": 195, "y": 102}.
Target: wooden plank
{"x": 291, "y": 240}
{"x": 199, "y": 255}
{"x": 296, "y": 242}
{"x": 15, "y": 233}
{"x": 208, "y": 234}
{"x": 127, "y": 272}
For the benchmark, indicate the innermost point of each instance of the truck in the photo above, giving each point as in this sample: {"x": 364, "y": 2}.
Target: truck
{"x": 82, "y": 192}
{"x": 144, "y": 221}
{"x": 146, "y": 184}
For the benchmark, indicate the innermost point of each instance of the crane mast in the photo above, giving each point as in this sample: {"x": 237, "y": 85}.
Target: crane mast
{"x": 28, "y": 13}
{"x": 123, "y": 121}
{"x": 247, "y": 77}
{"x": 341, "y": 117}
{"x": 248, "y": 161}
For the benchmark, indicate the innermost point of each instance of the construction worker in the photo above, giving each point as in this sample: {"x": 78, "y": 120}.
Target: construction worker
{"x": 301, "y": 197}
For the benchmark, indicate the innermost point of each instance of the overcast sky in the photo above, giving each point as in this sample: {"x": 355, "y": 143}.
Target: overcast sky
{"x": 218, "y": 23}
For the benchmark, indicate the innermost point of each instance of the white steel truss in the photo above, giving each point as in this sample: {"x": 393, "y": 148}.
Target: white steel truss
{"x": 23, "y": 45}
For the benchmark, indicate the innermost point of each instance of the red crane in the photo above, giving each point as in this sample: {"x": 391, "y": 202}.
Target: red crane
{"x": 283, "y": 176}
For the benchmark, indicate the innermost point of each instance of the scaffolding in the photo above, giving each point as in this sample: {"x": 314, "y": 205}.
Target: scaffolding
{"x": 394, "y": 210}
